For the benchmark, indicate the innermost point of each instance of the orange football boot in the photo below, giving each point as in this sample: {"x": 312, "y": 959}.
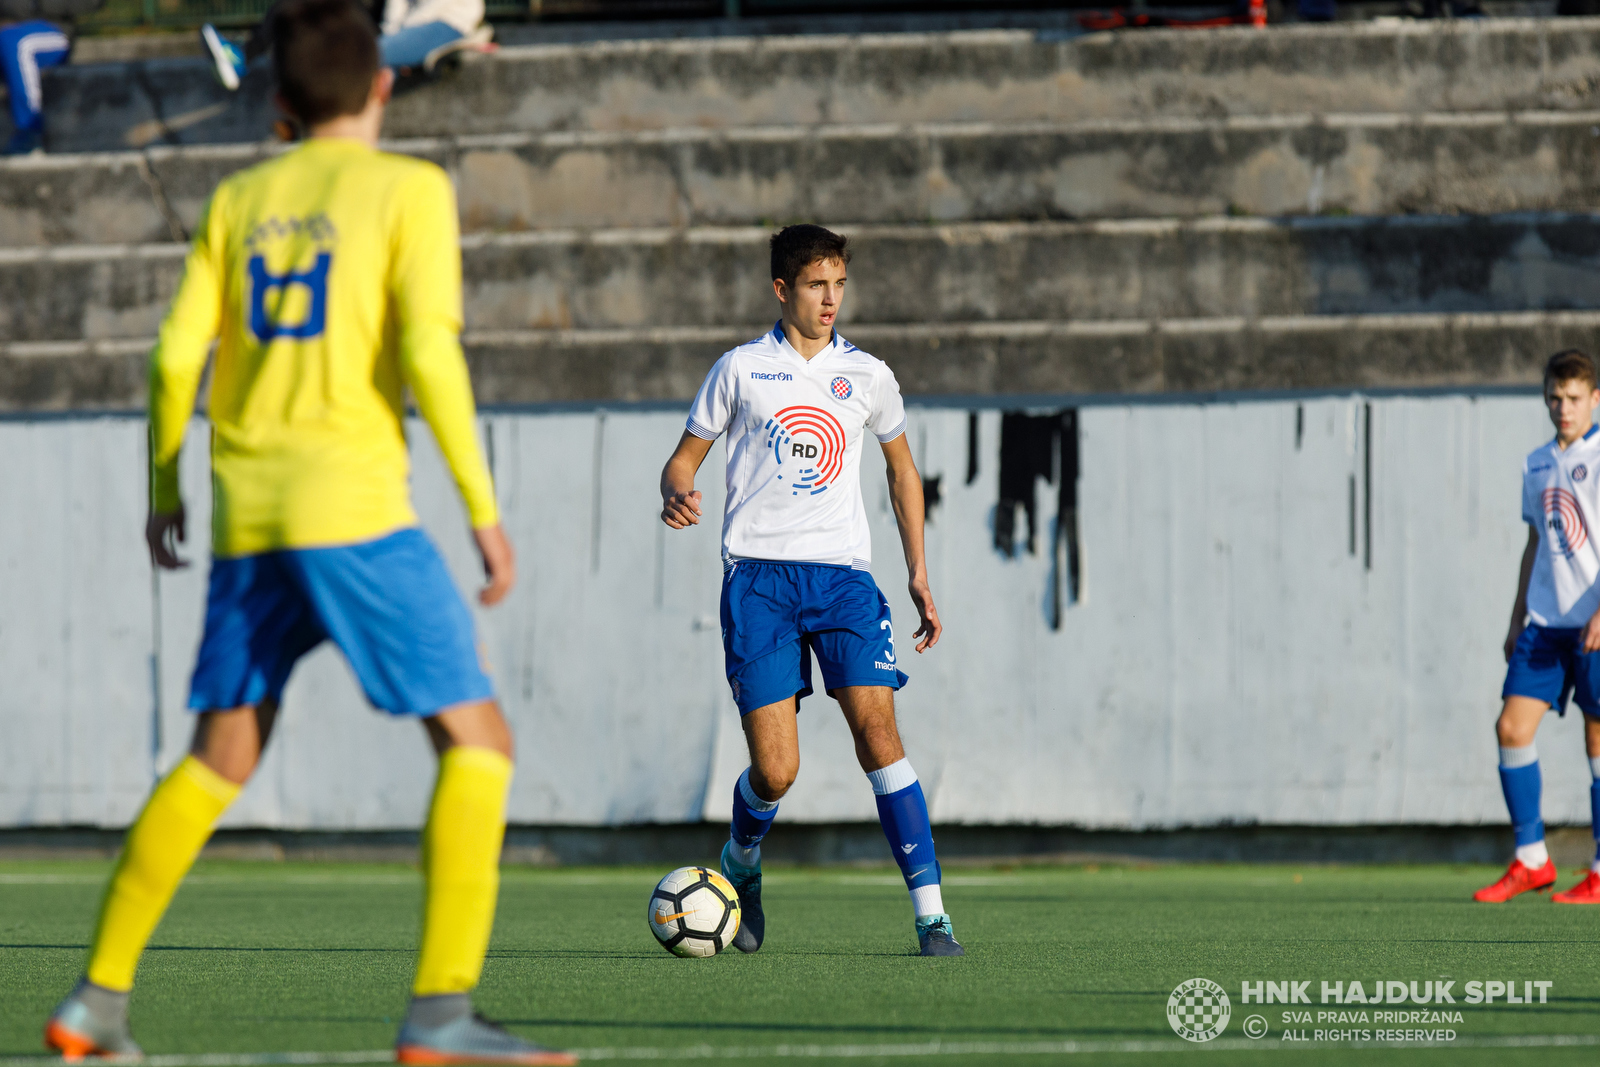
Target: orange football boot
{"x": 1518, "y": 879}
{"x": 1585, "y": 892}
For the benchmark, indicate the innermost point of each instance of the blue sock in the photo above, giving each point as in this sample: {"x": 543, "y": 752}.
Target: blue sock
{"x": 752, "y": 818}
{"x": 1521, "y": 783}
{"x": 903, "y": 811}
{"x": 1594, "y": 809}
{"x": 1594, "y": 819}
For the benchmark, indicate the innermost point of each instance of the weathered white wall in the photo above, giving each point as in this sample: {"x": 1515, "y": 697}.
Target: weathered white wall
{"x": 1230, "y": 661}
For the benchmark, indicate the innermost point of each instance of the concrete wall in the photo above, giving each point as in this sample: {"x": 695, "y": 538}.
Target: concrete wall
{"x": 1003, "y": 75}
{"x": 1249, "y": 645}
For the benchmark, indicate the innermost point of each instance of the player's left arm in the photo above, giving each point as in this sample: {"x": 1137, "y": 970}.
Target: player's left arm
{"x": 905, "y": 494}
{"x": 176, "y": 365}
{"x": 425, "y": 283}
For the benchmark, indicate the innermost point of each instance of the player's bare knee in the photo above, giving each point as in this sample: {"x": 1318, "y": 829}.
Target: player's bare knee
{"x": 879, "y": 746}
{"x": 772, "y": 775}
{"x": 475, "y": 725}
{"x": 1504, "y": 731}
{"x": 230, "y": 741}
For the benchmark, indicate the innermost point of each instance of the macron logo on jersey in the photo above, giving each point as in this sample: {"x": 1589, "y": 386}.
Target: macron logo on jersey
{"x": 766, "y": 376}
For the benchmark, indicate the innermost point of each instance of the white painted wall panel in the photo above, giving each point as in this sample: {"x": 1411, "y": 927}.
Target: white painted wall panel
{"x": 75, "y": 623}
{"x": 1231, "y": 659}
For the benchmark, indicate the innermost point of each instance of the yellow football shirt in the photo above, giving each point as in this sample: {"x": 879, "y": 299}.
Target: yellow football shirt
{"x": 330, "y": 278}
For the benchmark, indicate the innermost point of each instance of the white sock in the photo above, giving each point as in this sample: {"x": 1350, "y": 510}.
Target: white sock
{"x": 1534, "y": 855}
{"x": 893, "y": 778}
{"x": 1511, "y": 758}
{"x": 926, "y": 901}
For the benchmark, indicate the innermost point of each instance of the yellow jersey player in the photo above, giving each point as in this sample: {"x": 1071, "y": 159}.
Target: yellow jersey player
{"x": 330, "y": 279}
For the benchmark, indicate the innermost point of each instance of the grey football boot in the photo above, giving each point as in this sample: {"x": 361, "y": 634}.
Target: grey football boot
{"x": 92, "y": 1021}
{"x": 445, "y": 1030}
{"x": 747, "y": 882}
{"x": 936, "y": 938}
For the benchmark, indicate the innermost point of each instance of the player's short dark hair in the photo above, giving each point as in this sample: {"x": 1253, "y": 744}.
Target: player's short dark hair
{"x": 794, "y": 248}
{"x": 324, "y": 54}
{"x": 1570, "y": 365}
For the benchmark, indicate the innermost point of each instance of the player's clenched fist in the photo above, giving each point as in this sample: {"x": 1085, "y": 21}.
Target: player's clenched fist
{"x": 680, "y": 500}
{"x": 681, "y": 509}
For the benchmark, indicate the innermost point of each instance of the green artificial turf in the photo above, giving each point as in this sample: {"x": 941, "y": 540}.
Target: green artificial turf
{"x": 264, "y": 957}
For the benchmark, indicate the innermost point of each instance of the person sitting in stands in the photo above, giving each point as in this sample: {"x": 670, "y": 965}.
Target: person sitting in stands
{"x": 26, "y": 48}
{"x": 416, "y": 35}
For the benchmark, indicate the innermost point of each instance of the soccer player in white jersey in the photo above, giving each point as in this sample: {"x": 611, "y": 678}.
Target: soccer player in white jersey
{"x": 1553, "y": 649}
{"x": 797, "y": 405}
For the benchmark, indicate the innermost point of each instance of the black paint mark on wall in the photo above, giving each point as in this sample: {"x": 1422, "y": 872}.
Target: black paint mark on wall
{"x": 1067, "y": 516}
{"x": 1352, "y": 516}
{"x": 1034, "y": 447}
{"x": 1366, "y": 485}
{"x": 1028, "y": 446}
{"x": 972, "y": 447}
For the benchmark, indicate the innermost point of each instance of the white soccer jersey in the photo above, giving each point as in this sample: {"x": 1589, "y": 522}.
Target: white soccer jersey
{"x": 795, "y": 429}
{"x": 1561, "y": 498}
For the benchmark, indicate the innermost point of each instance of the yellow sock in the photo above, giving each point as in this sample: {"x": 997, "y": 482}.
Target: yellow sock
{"x": 161, "y": 847}
{"x": 461, "y": 866}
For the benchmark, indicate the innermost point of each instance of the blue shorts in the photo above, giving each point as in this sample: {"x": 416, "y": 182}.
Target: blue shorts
{"x": 772, "y": 613}
{"x": 1548, "y": 664}
{"x": 388, "y": 604}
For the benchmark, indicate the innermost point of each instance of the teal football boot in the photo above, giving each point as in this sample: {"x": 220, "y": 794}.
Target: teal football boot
{"x": 747, "y": 881}
{"x": 936, "y": 938}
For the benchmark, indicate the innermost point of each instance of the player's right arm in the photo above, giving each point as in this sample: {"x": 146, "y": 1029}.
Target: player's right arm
{"x": 1519, "y": 610}
{"x": 709, "y": 418}
{"x": 176, "y": 364}
{"x": 680, "y": 500}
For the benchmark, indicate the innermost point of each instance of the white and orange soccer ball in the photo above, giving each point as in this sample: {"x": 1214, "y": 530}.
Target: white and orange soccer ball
{"x": 694, "y": 911}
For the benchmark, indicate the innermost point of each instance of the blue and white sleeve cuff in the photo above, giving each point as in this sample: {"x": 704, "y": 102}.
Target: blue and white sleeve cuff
{"x": 885, "y": 438}
{"x": 701, "y": 432}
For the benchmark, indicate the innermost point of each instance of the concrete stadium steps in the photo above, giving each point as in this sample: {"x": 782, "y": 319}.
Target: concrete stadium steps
{"x": 1275, "y": 165}
{"x": 968, "y": 272}
{"x": 991, "y": 75}
{"x": 1126, "y": 213}
{"x": 1182, "y": 356}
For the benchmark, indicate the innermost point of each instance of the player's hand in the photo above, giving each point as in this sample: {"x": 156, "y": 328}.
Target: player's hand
{"x": 499, "y": 563}
{"x": 1591, "y": 634}
{"x": 930, "y": 629}
{"x": 164, "y": 532}
{"x": 681, "y": 510}
{"x": 1511, "y": 641}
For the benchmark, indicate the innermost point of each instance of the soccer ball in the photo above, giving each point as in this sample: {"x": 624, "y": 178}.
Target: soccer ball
{"x": 694, "y": 912}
